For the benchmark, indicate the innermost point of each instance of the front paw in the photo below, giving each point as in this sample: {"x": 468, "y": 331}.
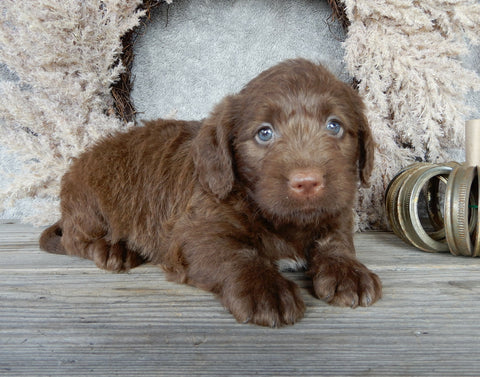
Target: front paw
{"x": 346, "y": 282}
{"x": 267, "y": 301}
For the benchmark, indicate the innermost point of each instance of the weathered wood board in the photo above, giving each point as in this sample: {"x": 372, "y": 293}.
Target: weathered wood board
{"x": 62, "y": 316}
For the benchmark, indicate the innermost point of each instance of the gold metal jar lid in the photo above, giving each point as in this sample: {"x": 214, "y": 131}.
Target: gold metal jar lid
{"x": 407, "y": 204}
{"x": 457, "y": 227}
{"x": 461, "y": 211}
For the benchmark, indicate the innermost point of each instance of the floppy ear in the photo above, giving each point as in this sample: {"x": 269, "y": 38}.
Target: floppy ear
{"x": 212, "y": 150}
{"x": 366, "y": 148}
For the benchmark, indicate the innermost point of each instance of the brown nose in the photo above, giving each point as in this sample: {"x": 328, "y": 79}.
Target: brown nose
{"x": 306, "y": 183}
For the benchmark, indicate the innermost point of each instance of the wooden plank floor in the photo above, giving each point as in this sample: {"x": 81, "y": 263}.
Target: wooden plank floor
{"x": 61, "y": 316}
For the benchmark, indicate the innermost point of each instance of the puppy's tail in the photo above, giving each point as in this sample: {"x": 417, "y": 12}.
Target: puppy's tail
{"x": 51, "y": 238}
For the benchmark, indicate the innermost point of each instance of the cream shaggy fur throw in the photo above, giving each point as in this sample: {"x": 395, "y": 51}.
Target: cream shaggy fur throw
{"x": 62, "y": 57}
{"x": 406, "y": 56}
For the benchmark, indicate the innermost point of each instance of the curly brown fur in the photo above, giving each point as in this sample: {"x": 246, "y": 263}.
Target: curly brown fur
{"x": 271, "y": 174}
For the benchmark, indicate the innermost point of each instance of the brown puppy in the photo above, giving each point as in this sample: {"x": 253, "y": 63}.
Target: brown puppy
{"x": 271, "y": 174}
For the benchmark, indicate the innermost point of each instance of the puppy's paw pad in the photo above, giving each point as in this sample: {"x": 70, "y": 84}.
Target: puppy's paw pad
{"x": 116, "y": 257}
{"x": 347, "y": 283}
{"x": 274, "y": 303}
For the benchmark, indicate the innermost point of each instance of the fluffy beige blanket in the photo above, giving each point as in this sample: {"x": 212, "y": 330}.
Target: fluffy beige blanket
{"x": 61, "y": 57}
{"x": 64, "y": 56}
{"x": 406, "y": 56}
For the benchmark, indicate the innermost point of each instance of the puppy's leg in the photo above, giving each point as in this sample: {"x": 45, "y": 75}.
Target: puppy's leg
{"x": 338, "y": 277}
{"x": 248, "y": 285}
{"x": 113, "y": 257}
{"x": 89, "y": 239}
{"x": 256, "y": 292}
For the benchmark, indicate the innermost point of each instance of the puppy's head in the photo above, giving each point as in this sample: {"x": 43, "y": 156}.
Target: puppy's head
{"x": 295, "y": 138}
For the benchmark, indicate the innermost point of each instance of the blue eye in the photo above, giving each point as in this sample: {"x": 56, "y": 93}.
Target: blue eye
{"x": 334, "y": 128}
{"x": 265, "y": 134}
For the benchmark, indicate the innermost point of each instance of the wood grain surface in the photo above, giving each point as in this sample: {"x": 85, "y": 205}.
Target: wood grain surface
{"x": 62, "y": 316}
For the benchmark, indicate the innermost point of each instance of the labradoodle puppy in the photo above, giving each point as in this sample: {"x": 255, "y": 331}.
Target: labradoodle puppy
{"x": 270, "y": 175}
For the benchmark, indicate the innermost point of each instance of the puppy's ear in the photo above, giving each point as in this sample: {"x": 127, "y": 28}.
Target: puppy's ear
{"x": 366, "y": 150}
{"x": 212, "y": 150}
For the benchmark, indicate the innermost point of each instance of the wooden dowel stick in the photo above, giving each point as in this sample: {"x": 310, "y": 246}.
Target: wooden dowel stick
{"x": 472, "y": 142}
